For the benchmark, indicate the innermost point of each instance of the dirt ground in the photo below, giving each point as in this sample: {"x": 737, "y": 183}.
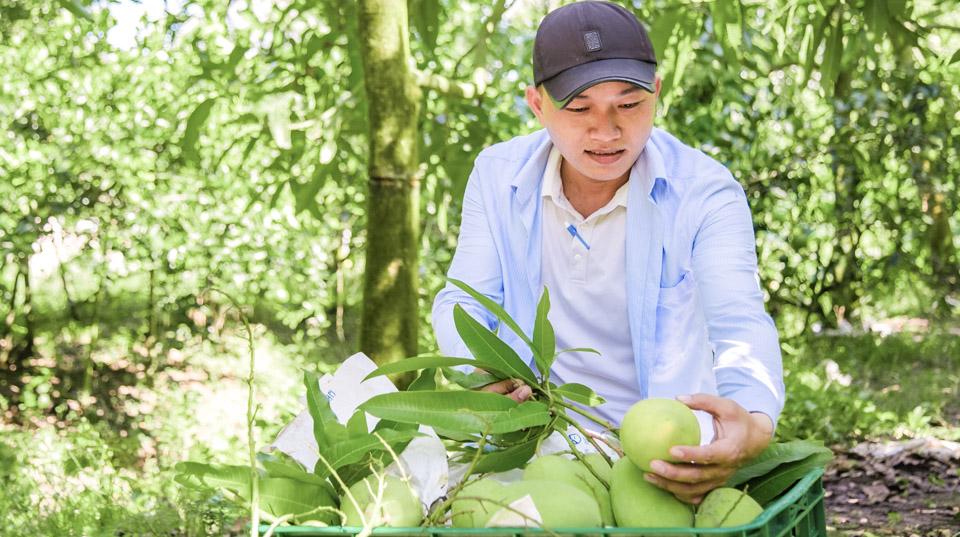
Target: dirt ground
{"x": 905, "y": 488}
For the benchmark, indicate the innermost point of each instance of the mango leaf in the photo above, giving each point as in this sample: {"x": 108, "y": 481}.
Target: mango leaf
{"x": 191, "y": 133}
{"x": 527, "y": 414}
{"x": 356, "y": 449}
{"x": 769, "y": 486}
{"x": 494, "y": 308}
{"x": 425, "y": 381}
{"x": 775, "y": 455}
{"x": 280, "y": 496}
{"x": 326, "y": 429}
{"x": 357, "y": 424}
{"x": 810, "y": 54}
{"x": 490, "y": 352}
{"x": 506, "y": 459}
{"x": 234, "y": 59}
{"x": 578, "y": 393}
{"x": 876, "y": 16}
{"x": 426, "y": 20}
{"x": 580, "y": 349}
{"x": 832, "y": 59}
{"x": 276, "y": 468}
{"x": 76, "y": 8}
{"x": 544, "y": 339}
{"x": 198, "y": 475}
{"x": 416, "y": 363}
{"x": 464, "y": 411}
{"x": 470, "y": 381}
{"x": 662, "y": 27}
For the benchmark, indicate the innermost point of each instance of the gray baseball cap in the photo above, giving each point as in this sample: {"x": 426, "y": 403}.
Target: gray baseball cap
{"x": 585, "y": 43}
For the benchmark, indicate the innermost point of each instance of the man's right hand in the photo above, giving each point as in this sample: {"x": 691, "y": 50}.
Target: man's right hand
{"x": 515, "y": 389}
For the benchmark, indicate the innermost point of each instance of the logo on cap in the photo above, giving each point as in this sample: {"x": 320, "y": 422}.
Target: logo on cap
{"x": 592, "y": 41}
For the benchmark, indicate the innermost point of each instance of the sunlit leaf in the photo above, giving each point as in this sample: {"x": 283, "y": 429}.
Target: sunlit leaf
{"x": 191, "y": 133}
{"x": 493, "y": 308}
{"x": 544, "y": 339}
{"x": 464, "y": 411}
{"x": 578, "y": 393}
{"x": 417, "y": 363}
{"x": 774, "y": 455}
{"x": 506, "y": 459}
{"x": 489, "y": 351}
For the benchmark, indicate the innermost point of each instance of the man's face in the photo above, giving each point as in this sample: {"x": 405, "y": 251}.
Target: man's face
{"x": 602, "y": 131}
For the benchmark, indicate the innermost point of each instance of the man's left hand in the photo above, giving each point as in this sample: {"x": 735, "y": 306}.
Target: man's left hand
{"x": 740, "y": 436}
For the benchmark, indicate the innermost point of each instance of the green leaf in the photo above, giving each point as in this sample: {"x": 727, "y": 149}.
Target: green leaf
{"x": 527, "y": 414}
{"x": 727, "y": 25}
{"x": 662, "y": 28}
{"x": 578, "y": 393}
{"x": 280, "y": 496}
{"x": 234, "y": 59}
{"x": 426, "y": 20}
{"x": 279, "y": 464}
{"x": 357, "y": 424}
{"x": 544, "y": 339}
{"x": 76, "y": 8}
{"x": 775, "y": 455}
{"x": 356, "y": 449}
{"x": 816, "y": 38}
{"x": 769, "y": 486}
{"x": 425, "y": 381}
{"x": 470, "y": 381}
{"x": 463, "y": 411}
{"x": 417, "y": 363}
{"x": 832, "y": 59}
{"x": 955, "y": 58}
{"x": 494, "y": 308}
{"x": 489, "y": 351}
{"x": 327, "y": 430}
{"x": 199, "y": 475}
{"x": 876, "y": 16}
{"x": 580, "y": 349}
{"x": 191, "y": 133}
{"x": 506, "y": 459}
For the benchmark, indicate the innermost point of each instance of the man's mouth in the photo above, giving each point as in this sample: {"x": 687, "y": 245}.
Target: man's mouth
{"x": 605, "y": 156}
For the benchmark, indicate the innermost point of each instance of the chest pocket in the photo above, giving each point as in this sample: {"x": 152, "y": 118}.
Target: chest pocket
{"x": 683, "y": 361}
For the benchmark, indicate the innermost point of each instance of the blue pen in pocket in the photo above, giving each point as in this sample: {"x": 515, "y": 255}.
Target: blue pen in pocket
{"x": 576, "y": 234}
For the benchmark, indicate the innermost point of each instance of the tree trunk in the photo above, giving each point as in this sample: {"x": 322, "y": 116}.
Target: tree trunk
{"x": 389, "y": 324}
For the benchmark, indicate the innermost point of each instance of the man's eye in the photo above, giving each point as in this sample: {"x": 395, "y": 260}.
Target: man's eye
{"x": 581, "y": 109}
{"x": 630, "y": 105}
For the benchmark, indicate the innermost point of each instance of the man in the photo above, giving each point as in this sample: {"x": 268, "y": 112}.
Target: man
{"x": 645, "y": 244}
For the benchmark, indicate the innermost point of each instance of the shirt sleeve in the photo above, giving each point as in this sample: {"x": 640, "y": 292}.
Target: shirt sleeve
{"x": 748, "y": 364}
{"x": 475, "y": 262}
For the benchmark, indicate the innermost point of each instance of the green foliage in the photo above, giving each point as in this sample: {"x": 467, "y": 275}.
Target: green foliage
{"x": 846, "y": 389}
{"x": 779, "y": 466}
{"x": 227, "y": 146}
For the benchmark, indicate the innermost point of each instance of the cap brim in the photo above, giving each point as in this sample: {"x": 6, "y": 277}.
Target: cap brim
{"x": 573, "y": 81}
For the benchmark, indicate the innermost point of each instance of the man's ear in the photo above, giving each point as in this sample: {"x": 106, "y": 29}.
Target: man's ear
{"x": 657, "y": 82}
{"x": 535, "y": 102}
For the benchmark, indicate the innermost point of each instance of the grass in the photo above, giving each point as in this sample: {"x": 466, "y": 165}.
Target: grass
{"x": 101, "y": 464}
{"x": 847, "y": 389}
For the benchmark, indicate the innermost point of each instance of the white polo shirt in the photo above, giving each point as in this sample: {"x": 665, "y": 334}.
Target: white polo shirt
{"x": 588, "y": 293}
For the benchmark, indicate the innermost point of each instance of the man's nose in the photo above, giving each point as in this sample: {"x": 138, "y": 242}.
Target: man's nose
{"x": 605, "y": 129}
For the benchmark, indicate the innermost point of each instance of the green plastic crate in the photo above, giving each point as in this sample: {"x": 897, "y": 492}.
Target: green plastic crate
{"x": 798, "y": 513}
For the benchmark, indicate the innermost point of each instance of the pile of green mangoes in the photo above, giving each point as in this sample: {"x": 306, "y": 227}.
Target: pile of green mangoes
{"x": 568, "y": 494}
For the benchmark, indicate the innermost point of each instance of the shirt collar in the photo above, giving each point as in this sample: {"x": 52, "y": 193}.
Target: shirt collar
{"x": 553, "y": 185}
